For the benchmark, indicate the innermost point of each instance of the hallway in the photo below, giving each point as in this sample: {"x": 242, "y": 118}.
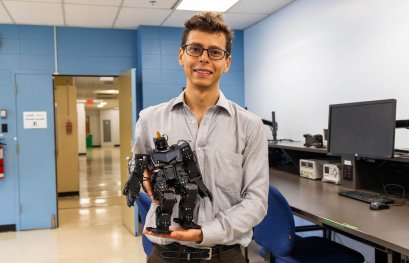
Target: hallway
{"x": 90, "y": 227}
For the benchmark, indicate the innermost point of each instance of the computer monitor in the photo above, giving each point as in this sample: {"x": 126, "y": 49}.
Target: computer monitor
{"x": 362, "y": 129}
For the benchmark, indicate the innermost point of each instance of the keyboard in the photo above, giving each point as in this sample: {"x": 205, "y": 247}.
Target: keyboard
{"x": 366, "y": 197}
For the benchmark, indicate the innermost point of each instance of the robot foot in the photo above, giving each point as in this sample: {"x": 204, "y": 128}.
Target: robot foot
{"x": 158, "y": 230}
{"x": 186, "y": 225}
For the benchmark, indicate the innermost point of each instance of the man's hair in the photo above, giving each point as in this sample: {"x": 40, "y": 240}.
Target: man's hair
{"x": 208, "y": 22}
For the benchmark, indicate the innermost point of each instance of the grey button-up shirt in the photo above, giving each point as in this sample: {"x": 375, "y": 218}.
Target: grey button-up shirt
{"x": 231, "y": 148}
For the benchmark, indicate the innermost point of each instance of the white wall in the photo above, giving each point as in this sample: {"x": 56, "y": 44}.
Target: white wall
{"x": 94, "y": 126}
{"x": 314, "y": 53}
{"x": 82, "y": 145}
{"x": 113, "y": 116}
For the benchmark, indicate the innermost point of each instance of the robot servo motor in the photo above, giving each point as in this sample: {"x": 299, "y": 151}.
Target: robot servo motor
{"x": 174, "y": 172}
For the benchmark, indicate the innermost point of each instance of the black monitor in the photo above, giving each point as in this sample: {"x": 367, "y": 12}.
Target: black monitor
{"x": 362, "y": 129}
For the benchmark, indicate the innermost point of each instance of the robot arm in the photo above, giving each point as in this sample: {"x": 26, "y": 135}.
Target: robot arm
{"x": 193, "y": 170}
{"x": 136, "y": 168}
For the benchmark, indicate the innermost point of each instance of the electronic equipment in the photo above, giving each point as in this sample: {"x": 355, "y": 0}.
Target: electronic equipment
{"x": 325, "y": 137}
{"x": 378, "y": 206}
{"x": 273, "y": 126}
{"x": 366, "y": 197}
{"x": 331, "y": 173}
{"x": 311, "y": 168}
{"x": 313, "y": 140}
{"x": 362, "y": 129}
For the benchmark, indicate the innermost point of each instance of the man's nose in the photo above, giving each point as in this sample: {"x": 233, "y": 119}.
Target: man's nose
{"x": 204, "y": 57}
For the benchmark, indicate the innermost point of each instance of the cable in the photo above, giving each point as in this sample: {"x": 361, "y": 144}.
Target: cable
{"x": 402, "y": 200}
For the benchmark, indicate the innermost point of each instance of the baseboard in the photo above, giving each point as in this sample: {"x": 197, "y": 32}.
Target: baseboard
{"x": 65, "y": 194}
{"x": 7, "y": 228}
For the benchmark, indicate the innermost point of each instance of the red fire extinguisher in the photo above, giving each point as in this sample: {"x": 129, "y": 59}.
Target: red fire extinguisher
{"x": 1, "y": 163}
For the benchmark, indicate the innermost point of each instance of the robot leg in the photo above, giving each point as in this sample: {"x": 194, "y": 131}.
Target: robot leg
{"x": 164, "y": 213}
{"x": 186, "y": 207}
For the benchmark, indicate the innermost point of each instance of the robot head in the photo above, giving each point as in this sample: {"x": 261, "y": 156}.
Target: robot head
{"x": 161, "y": 143}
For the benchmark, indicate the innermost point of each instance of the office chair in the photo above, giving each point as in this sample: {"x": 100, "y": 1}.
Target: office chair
{"x": 143, "y": 203}
{"x": 276, "y": 234}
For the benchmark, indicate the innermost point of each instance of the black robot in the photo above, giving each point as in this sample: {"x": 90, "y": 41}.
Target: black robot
{"x": 174, "y": 172}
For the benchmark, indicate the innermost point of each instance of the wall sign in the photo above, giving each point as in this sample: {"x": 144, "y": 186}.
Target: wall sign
{"x": 35, "y": 119}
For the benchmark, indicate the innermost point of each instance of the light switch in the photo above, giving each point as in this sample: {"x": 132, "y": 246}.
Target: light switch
{"x": 3, "y": 113}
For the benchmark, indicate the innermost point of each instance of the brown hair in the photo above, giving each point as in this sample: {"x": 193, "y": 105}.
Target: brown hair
{"x": 211, "y": 23}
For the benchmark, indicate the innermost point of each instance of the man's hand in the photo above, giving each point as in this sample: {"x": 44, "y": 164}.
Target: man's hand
{"x": 148, "y": 186}
{"x": 180, "y": 234}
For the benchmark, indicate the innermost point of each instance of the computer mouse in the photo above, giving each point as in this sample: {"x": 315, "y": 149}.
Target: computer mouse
{"x": 378, "y": 206}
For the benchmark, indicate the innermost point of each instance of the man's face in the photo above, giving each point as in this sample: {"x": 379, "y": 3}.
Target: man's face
{"x": 203, "y": 72}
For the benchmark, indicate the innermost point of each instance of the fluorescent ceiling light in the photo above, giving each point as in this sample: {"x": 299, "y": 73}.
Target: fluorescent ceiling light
{"x": 109, "y": 79}
{"x": 207, "y": 5}
{"x": 106, "y": 91}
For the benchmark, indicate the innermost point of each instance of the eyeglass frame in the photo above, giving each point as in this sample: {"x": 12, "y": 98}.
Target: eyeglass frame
{"x": 226, "y": 54}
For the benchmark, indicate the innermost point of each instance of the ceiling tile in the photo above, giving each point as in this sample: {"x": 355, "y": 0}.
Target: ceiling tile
{"x": 242, "y": 21}
{"x": 90, "y": 15}
{"x": 258, "y": 6}
{"x": 94, "y": 2}
{"x": 33, "y": 12}
{"x": 4, "y": 17}
{"x": 163, "y": 4}
{"x": 41, "y": 1}
{"x": 134, "y": 17}
{"x": 178, "y": 18}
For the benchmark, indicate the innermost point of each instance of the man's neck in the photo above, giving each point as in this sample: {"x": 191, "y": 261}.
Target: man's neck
{"x": 200, "y": 100}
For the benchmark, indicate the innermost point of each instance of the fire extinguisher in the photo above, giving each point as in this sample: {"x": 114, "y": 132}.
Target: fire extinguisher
{"x": 1, "y": 163}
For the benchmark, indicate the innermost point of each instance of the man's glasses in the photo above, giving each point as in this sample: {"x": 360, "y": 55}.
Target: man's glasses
{"x": 213, "y": 53}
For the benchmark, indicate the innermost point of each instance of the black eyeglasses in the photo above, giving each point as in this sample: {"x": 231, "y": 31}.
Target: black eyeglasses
{"x": 213, "y": 53}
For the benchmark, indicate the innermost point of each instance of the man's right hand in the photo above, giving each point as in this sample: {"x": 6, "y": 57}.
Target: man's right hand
{"x": 148, "y": 186}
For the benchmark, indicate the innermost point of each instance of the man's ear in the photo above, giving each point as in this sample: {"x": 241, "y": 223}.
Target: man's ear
{"x": 227, "y": 67}
{"x": 180, "y": 56}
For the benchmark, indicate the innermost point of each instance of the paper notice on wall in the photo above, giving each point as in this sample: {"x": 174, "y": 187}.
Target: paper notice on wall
{"x": 35, "y": 119}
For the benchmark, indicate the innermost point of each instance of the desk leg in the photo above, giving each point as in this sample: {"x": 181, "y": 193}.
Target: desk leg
{"x": 327, "y": 233}
{"x": 387, "y": 257}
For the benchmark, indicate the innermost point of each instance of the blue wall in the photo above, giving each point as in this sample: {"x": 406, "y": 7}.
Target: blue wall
{"x": 85, "y": 51}
{"x": 30, "y": 49}
{"x": 22, "y": 49}
{"x": 152, "y": 50}
{"x": 162, "y": 78}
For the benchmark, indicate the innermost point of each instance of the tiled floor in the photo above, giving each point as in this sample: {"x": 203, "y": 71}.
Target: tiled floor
{"x": 90, "y": 228}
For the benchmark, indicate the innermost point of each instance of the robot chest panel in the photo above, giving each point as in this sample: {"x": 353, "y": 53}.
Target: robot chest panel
{"x": 173, "y": 174}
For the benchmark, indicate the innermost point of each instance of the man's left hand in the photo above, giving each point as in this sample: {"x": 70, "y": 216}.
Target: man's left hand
{"x": 180, "y": 234}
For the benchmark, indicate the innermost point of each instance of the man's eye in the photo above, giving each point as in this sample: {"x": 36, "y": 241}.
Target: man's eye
{"x": 195, "y": 49}
{"x": 216, "y": 52}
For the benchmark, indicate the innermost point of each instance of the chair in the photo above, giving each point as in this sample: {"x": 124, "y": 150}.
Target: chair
{"x": 143, "y": 203}
{"x": 276, "y": 234}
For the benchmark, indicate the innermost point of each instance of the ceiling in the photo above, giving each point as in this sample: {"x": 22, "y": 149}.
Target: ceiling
{"x": 91, "y": 88}
{"x": 126, "y": 14}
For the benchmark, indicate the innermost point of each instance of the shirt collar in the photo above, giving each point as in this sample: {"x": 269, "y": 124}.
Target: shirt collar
{"x": 222, "y": 102}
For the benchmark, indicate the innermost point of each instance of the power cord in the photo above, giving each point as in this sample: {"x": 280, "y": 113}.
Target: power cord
{"x": 402, "y": 199}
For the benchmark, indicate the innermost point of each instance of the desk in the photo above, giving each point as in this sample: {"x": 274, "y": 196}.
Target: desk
{"x": 320, "y": 203}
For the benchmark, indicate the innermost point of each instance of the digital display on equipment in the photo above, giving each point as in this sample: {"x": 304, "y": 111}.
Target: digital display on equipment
{"x": 362, "y": 129}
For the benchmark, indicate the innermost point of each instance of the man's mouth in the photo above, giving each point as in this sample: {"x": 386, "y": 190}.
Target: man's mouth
{"x": 203, "y": 72}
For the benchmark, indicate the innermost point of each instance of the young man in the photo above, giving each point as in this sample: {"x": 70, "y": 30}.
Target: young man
{"x": 230, "y": 145}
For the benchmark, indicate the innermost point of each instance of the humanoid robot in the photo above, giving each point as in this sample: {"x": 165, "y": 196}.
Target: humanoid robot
{"x": 174, "y": 172}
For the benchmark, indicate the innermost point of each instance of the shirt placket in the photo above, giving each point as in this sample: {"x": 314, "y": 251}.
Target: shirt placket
{"x": 202, "y": 136}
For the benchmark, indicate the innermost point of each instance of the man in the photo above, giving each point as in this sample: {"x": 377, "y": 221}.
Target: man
{"x": 230, "y": 145}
